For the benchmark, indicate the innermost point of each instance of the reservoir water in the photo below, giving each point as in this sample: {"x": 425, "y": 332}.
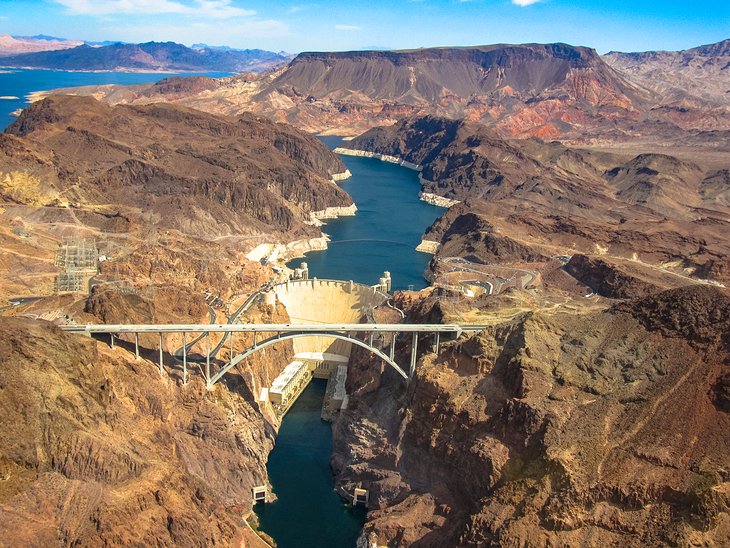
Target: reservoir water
{"x": 382, "y": 236}
{"x": 384, "y": 233}
{"x": 20, "y": 82}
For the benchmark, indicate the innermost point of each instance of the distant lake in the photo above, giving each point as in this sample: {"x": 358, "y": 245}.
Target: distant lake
{"x": 20, "y": 82}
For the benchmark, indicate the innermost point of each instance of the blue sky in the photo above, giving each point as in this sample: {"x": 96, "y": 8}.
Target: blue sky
{"x": 296, "y": 25}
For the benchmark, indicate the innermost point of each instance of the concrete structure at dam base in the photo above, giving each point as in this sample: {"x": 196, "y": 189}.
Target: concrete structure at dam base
{"x": 289, "y": 385}
{"x": 313, "y": 302}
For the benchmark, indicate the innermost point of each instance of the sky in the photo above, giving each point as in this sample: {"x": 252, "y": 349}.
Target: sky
{"x": 325, "y": 25}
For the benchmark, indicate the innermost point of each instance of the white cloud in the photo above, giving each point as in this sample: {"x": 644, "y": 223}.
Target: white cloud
{"x": 347, "y": 27}
{"x": 206, "y": 31}
{"x": 523, "y": 3}
{"x": 212, "y": 9}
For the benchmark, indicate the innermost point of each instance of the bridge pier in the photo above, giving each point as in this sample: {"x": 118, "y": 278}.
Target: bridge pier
{"x": 438, "y": 339}
{"x": 231, "y": 341}
{"x": 414, "y": 351}
{"x": 136, "y": 345}
{"x": 162, "y": 368}
{"x": 185, "y": 359}
{"x": 207, "y": 361}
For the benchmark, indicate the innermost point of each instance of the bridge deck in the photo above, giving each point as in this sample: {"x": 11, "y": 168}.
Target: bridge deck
{"x": 343, "y": 331}
{"x": 270, "y": 328}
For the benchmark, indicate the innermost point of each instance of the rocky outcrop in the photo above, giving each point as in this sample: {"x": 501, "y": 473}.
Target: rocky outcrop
{"x": 183, "y": 169}
{"x": 97, "y": 448}
{"x": 607, "y": 427}
{"x": 471, "y": 236}
{"x": 607, "y": 279}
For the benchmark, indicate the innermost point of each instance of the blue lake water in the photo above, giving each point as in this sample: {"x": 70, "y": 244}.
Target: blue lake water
{"x": 20, "y": 82}
{"x": 384, "y": 233}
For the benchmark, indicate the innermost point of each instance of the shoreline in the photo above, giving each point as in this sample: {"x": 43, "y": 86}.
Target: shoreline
{"x": 428, "y": 246}
{"x": 280, "y": 252}
{"x": 338, "y": 177}
{"x": 285, "y": 252}
{"x": 10, "y": 70}
{"x": 428, "y": 197}
{"x": 318, "y": 218}
{"x": 382, "y": 157}
{"x": 435, "y": 199}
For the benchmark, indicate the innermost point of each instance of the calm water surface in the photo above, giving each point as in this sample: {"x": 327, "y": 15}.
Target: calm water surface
{"x": 308, "y": 513}
{"x": 20, "y": 82}
{"x": 384, "y": 233}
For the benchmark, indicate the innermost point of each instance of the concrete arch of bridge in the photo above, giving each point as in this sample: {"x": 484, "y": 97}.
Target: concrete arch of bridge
{"x": 275, "y": 339}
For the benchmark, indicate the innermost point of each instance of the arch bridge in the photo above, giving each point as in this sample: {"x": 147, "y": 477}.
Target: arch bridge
{"x": 264, "y": 335}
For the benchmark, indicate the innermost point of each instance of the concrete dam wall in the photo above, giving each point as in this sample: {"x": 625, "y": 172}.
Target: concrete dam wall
{"x": 314, "y": 302}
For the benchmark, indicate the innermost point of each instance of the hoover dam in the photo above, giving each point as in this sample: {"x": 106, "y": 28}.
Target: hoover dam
{"x": 315, "y": 301}
{"x": 320, "y": 302}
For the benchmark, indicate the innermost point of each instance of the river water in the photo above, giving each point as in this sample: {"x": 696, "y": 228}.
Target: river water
{"x": 382, "y": 236}
{"x": 308, "y": 513}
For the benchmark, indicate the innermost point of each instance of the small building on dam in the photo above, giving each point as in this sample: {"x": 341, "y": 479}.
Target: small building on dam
{"x": 312, "y": 302}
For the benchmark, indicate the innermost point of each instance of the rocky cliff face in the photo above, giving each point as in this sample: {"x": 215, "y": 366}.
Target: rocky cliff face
{"x": 433, "y": 75}
{"x": 97, "y": 448}
{"x": 602, "y": 428}
{"x": 527, "y": 200}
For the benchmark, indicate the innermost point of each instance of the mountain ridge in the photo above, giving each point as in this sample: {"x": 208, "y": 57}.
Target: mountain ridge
{"x": 551, "y": 91}
{"x": 681, "y": 78}
{"x": 148, "y": 56}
